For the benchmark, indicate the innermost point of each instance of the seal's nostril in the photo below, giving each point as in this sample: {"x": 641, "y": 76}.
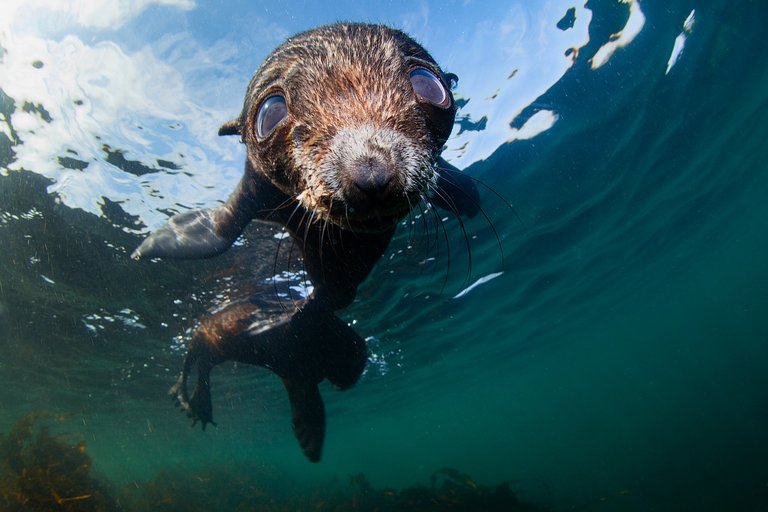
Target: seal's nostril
{"x": 372, "y": 184}
{"x": 372, "y": 177}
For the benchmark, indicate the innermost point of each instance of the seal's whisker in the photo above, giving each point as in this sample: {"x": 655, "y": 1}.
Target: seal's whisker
{"x": 308, "y": 229}
{"x": 284, "y": 204}
{"x": 302, "y": 275}
{"x": 299, "y": 228}
{"x": 326, "y": 227}
{"x": 426, "y": 234}
{"x": 424, "y": 213}
{"x": 489, "y": 188}
{"x": 439, "y": 221}
{"x": 290, "y": 217}
{"x": 435, "y": 223}
{"x": 277, "y": 253}
{"x": 288, "y": 267}
{"x": 346, "y": 213}
{"x": 410, "y": 220}
{"x": 274, "y": 269}
{"x": 304, "y": 225}
{"x": 447, "y": 197}
{"x": 322, "y": 237}
{"x": 331, "y": 225}
{"x": 340, "y": 238}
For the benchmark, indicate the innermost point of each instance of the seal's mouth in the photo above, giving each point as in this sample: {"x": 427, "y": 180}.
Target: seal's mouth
{"x": 368, "y": 178}
{"x": 374, "y": 221}
{"x": 371, "y": 225}
{"x": 374, "y": 217}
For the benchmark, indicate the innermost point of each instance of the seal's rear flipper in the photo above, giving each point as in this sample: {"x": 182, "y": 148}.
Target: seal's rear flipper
{"x": 308, "y": 415}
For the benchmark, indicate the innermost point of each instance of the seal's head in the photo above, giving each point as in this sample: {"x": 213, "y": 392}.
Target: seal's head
{"x": 349, "y": 119}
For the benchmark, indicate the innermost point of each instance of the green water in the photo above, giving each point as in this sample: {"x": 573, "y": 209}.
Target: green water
{"x": 618, "y": 363}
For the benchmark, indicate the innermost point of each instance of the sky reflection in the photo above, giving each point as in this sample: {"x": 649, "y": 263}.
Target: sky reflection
{"x": 124, "y": 99}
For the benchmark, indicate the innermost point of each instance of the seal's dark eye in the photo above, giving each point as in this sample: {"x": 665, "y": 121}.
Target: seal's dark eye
{"x": 429, "y": 88}
{"x": 271, "y": 112}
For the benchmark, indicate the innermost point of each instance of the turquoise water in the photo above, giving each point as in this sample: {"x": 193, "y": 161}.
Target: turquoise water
{"x": 617, "y": 363}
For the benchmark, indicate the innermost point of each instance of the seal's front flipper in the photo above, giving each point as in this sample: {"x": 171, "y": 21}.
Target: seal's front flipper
{"x": 308, "y": 416}
{"x": 201, "y": 233}
{"x": 190, "y": 234}
{"x": 455, "y": 191}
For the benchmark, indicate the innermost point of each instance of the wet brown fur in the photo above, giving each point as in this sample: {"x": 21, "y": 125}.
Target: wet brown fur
{"x": 350, "y": 103}
{"x": 345, "y": 76}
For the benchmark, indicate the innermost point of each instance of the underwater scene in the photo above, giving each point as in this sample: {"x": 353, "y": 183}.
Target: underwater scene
{"x": 592, "y": 336}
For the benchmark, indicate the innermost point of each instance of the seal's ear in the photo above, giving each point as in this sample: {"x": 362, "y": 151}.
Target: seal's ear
{"x": 230, "y": 128}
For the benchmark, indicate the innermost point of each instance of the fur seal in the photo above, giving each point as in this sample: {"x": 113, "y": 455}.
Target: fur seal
{"x": 343, "y": 127}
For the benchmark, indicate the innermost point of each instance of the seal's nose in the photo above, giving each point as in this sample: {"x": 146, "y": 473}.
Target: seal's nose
{"x": 372, "y": 178}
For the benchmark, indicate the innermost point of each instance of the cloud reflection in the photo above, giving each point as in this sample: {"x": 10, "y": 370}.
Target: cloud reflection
{"x": 157, "y": 103}
{"x": 95, "y": 14}
{"x": 504, "y": 63}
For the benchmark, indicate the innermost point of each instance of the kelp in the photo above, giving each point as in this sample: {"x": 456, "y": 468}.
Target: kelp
{"x": 40, "y": 471}
{"x": 225, "y": 488}
{"x": 43, "y": 472}
{"x": 449, "y": 491}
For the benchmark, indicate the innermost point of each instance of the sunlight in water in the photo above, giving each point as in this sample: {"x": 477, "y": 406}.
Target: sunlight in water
{"x": 623, "y": 37}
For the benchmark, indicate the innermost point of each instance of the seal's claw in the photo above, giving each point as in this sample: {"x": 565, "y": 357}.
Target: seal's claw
{"x": 178, "y": 395}
{"x": 198, "y": 406}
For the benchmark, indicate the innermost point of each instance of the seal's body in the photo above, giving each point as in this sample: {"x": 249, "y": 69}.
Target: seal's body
{"x": 343, "y": 127}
